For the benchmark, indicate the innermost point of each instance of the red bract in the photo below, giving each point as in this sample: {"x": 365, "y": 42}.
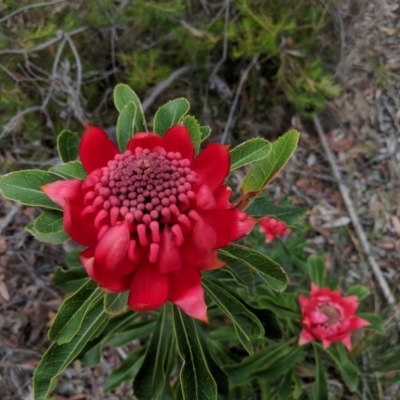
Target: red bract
{"x": 272, "y": 228}
{"x": 152, "y": 217}
{"x": 329, "y": 317}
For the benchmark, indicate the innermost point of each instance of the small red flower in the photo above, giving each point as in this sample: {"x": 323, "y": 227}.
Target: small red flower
{"x": 273, "y": 228}
{"x": 329, "y": 317}
{"x": 152, "y": 218}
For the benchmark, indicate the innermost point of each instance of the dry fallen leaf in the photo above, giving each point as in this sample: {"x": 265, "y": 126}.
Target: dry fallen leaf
{"x": 396, "y": 224}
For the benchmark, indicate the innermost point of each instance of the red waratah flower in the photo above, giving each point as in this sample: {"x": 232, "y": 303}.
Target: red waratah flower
{"x": 329, "y": 317}
{"x": 272, "y": 228}
{"x": 152, "y": 217}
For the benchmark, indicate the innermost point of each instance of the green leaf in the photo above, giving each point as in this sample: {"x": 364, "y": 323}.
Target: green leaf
{"x": 246, "y": 324}
{"x": 48, "y": 227}
{"x": 123, "y": 95}
{"x": 358, "y": 290}
{"x": 375, "y": 321}
{"x": 249, "y": 152}
{"x": 347, "y": 369}
{"x": 24, "y": 187}
{"x": 261, "y": 207}
{"x": 115, "y": 303}
{"x": 257, "y": 363}
{"x": 196, "y": 380}
{"x": 320, "y": 387}
{"x": 264, "y": 170}
{"x": 72, "y": 312}
{"x": 127, "y": 125}
{"x": 269, "y": 271}
{"x": 58, "y": 357}
{"x": 131, "y": 332}
{"x": 70, "y": 170}
{"x": 67, "y": 145}
{"x": 151, "y": 378}
{"x": 268, "y": 320}
{"x": 125, "y": 372}
{"x": 317, "y": 270}
{"x": 73, "y": 259}
{"x": 194, "y": 129}
{"x": 205, "y": 132}
{"x": 170, "y": 114}
{"x": 70, "y": 280}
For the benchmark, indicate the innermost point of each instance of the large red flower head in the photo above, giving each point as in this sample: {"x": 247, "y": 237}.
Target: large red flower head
{"x": 273, "y": 228}
{"x": 329, "y": 317}
{"x": 152, "y": 217}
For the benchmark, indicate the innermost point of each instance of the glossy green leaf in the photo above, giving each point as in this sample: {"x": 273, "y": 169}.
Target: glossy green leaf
{"x": 246, "y": 324}
{"x": 123, "y": 95}
{"x": 196, "y": 380}
{"x": 73, "y": 259}
{"x": 320, "y": 387}
{"x": 70, "y": 280}
{"x": 317, "y": 270}
{"x": 358, "y": 290}
{"x": 67, "y": 145}
{"x": 151, "y": 378}
{"x": 375, "y": 322}
{"x": 48, "y": 227}
{"x": 70, "y": 170}
{"x": 170, "y": 114}
{"x": 24, "y": 187}
{"x": 131, "y": 332}
{"x": 115, "y": 303}
{"x": 261, "y": 207}
{"x": 125, "y": 372}
{"x": 194, "y": 129}
{"x": 268, "y": 270}
{"x": 264, "y": 170}
{"x": 205, "y": 132}
{"x": 126, "y": 125}
{"x": 58, "y": 357}
{"x": 249, "y": 152}
{"x": 72, "y": 312}
{"x": 347, "y": 369}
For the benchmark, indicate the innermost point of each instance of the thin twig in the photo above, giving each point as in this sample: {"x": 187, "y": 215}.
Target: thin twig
{"x": 29, "y": 6}
{"x": 243, "y": 79}
{"x": 9, "y": 217}
{"x": 353, "y": 215}
{"x": 160, "y": 87}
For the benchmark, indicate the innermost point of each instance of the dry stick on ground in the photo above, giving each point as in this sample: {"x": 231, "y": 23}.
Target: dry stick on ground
{"x": 9, "y": 217}
{"x": 344, "y": 191}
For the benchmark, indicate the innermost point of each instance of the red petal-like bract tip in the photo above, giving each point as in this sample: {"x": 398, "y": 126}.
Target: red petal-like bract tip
{"x": 177, "y": 139}
{"x": 96, "y": 149}
{"x": 60, "y": 190}
{"x": 145, "y": 141}
{"x": 113, "y": 247}
{"x": 149, "y": 288}
{"x": 81, "y": 229}
{"x": 169, "y": 255}
{"x": 212, "y": 165}
{"x": 101, "y": 276}
{"x": 187, "y": 293}
{"x": 305, "y": 337}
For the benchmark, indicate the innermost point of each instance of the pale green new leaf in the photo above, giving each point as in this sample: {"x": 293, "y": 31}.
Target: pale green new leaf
{"x": 196, "y": 380}
{"x": 72, "y": 312}
{"x": 151, "y": 378}
{"x": 246, "y": 324}
{"x": 58, "y": 357}
{"x": 48, "y": 227}
{"x": 249, "y": 152}
{"x": 317, "y": 270}
{"x": 123, "y": 95}
{"x": 264, "y": 170}
{"x": 170, "y": 114}
{"x": 115, "y": 303}
{"x": 205, "y": 132}
{"x": 127, "y": 125}
{"x": 24, "y": 187}
{"x": 67, "y": 145}
{"x": 194, "y": 130}
{"x": 70, "y": 170}
{"x": 267, "y": 269}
